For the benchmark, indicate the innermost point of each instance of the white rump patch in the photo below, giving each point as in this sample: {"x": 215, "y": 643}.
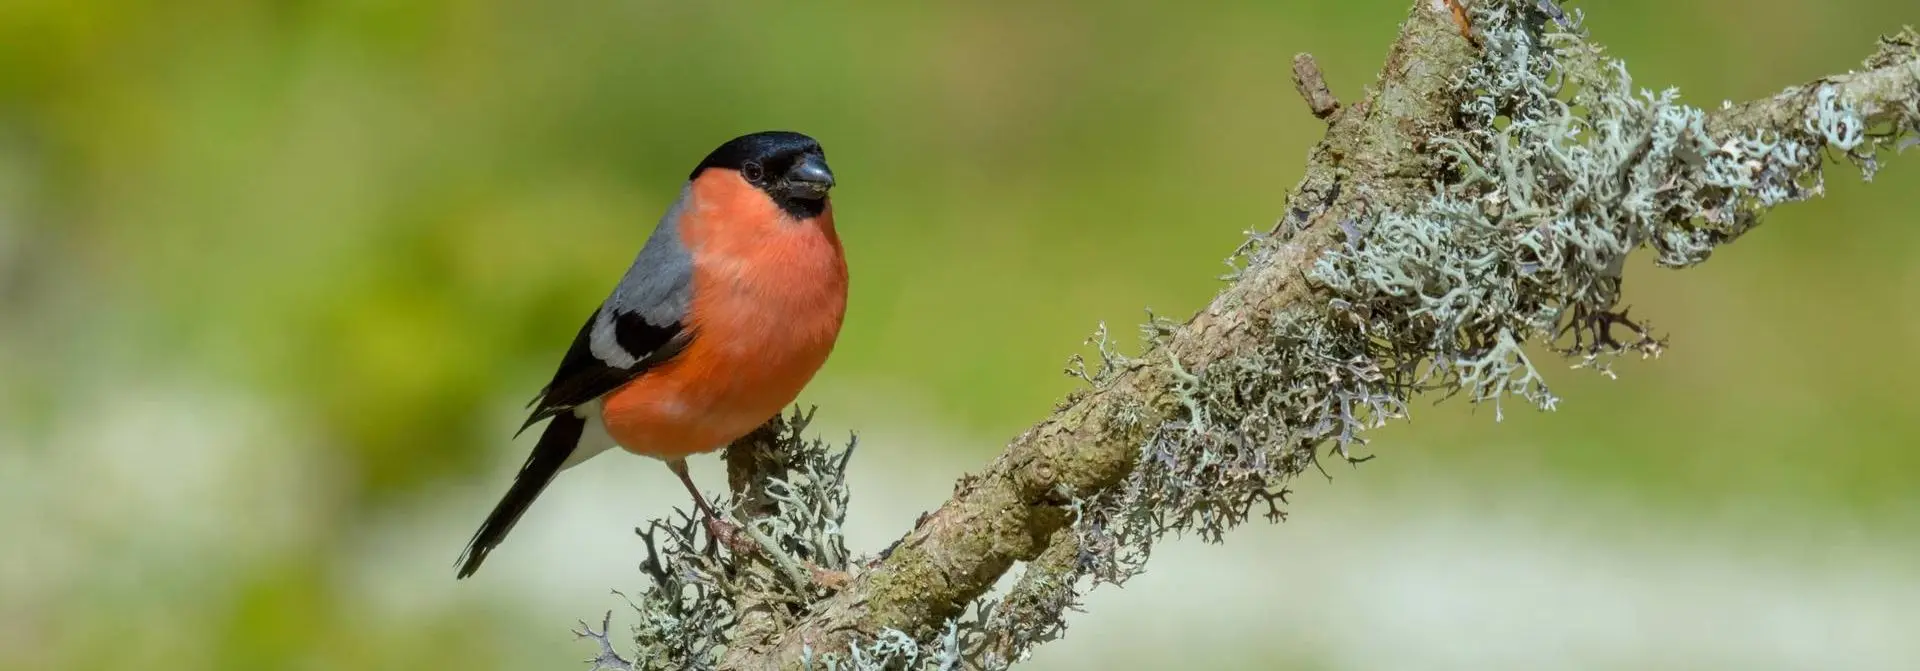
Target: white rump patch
{"x": 593, "y": 438}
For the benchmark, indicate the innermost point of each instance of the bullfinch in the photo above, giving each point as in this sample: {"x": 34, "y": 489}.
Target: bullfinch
{"x": 729, "y": 309}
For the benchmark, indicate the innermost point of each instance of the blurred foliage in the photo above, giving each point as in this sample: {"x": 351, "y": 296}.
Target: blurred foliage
{"x": 382, "y": 221}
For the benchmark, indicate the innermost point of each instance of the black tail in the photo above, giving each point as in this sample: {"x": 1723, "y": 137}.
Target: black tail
{"x": 556, "y": 442}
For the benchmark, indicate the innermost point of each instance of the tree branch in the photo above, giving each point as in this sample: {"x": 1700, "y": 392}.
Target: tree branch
{"x": 1482, "y": 194}
{"x": 1008, "y": 512}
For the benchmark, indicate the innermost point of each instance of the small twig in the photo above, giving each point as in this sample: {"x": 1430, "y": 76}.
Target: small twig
{"x": 608, "y": 658}
{"x": 1312, "y": 86}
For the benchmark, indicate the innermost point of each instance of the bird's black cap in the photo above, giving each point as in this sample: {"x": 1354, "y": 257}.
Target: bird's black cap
{"x": 790, "y": 167}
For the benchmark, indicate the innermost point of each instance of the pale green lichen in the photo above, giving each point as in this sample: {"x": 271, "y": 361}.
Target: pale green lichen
{"x": 1558, "y": 170}
{"x": 688, "y": 613}
{"x": 891, "y": 649}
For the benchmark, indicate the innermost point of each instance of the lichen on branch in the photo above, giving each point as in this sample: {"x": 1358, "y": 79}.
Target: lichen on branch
{"x": 1482, "y": 197}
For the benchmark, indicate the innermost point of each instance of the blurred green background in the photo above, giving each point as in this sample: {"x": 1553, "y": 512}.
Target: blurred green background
{"x": 276, "y": 278}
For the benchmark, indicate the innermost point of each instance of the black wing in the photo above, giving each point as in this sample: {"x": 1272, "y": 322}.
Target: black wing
{"x": 639, "y": 326}
{"x": 583, "y": 376}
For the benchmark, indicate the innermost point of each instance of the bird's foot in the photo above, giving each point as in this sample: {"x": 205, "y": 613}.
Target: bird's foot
{"x": 801, "y": 575}
{"x": 730, "y": 536}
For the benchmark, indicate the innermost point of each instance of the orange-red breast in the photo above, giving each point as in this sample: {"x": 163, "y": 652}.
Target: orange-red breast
{"x": 726, "y": 313}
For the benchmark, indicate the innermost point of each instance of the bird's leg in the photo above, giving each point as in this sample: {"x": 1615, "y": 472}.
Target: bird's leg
{"x": 746, "y": 539}
{"x": 726, "y": 532}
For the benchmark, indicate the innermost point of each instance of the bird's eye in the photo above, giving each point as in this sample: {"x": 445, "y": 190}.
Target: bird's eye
{"x": 752, "y": 171}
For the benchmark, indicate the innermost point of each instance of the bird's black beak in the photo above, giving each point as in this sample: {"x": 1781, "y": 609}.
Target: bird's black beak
{"x": 809, "y": 177}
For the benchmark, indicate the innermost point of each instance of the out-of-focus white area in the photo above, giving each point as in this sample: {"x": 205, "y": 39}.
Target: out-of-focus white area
{"x": 1437, "y": 578}
{"x": 1503, "y": 573}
